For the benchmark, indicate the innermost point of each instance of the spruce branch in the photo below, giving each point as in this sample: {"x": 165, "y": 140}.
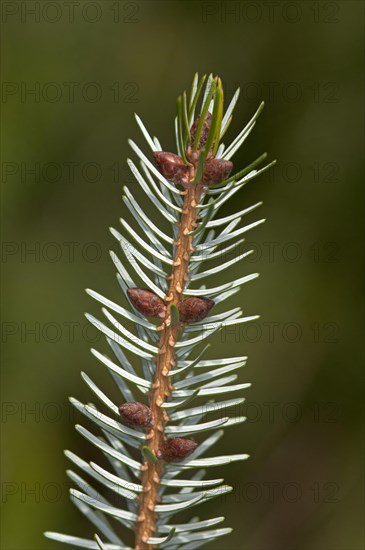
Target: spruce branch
{"x": 187, "y": 189}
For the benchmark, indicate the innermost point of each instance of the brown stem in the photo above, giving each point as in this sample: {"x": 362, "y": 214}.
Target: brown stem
{"x": 165, "y": 360}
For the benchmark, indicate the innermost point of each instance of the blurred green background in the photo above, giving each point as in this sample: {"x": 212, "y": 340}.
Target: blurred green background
{"x": 73, "y": 75}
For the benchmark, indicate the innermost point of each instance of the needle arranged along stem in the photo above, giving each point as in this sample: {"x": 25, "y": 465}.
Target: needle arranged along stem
{"x": 165, "y": 361}
{"x": 174, "y": 184}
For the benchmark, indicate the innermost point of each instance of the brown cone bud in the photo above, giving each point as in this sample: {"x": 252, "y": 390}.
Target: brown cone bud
{"x": 147, "y": 302}
{"x": 216, "y": 170}
{"x": 172, "y": 167}
{"x": 176, "y": 449}
{"x": 194, "y": 309}
{"x": 136, "y": 415}
{"x": 204, "y": 132}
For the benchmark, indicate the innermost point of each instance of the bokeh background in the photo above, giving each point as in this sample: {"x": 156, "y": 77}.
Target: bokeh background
{"x": 73, "y": 75}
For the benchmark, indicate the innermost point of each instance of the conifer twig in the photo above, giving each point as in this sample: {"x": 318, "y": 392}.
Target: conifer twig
{"x": 187, "y": 189}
